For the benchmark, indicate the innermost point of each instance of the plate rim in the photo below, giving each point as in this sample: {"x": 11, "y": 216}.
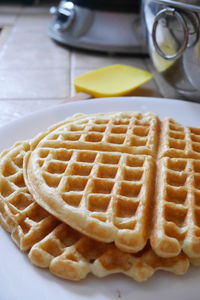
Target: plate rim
{"x": 72, "y": 103}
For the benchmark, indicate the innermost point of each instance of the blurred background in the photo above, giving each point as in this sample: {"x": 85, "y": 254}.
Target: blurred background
{"x": 41, "y": 52}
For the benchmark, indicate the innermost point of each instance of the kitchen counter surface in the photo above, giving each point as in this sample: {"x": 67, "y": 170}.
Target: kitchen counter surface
{"x": 36, "y": 73}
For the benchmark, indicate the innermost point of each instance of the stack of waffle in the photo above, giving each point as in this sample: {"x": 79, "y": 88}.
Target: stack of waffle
{"x": 105, "y": 193}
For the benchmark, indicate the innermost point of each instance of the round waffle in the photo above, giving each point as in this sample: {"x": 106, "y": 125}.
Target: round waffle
{"x": 96, "y": 174}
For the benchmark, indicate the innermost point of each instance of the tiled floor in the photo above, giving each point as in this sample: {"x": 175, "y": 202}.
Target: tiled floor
{"x": 36, "y": 73}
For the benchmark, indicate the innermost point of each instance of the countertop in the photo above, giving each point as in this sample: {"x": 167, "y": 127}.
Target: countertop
{"x": 36, "y": 73}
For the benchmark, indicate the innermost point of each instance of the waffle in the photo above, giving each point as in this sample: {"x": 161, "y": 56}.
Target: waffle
{"x": 107, "y": 195}
{"x": 179, "y": 141}
{"x": 177, "y": 208}
{"x": 19, "y": 214}
{"x": 70, "y": 255}
{"x": 133, "y": 133}
{"x": 94, "y": 175}
{"x": 95, "y": 193}
{"x": 55, "y": 245}
{"x": 176, "y": 223}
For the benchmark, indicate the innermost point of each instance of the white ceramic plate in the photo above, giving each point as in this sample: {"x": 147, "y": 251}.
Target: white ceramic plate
{"x": 19, "y": 280}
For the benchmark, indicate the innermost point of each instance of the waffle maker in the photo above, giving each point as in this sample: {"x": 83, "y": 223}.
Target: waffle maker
{"x": 111, "y": 26}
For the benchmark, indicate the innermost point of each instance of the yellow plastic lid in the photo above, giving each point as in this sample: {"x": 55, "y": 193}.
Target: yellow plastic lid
{"x": 115, "y": 80}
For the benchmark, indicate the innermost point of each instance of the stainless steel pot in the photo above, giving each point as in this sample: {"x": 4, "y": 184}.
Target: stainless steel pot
{"x": 173, "y": 31}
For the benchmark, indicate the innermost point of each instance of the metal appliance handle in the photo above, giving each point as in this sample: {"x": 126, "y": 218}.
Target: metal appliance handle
{"x": 172, "y": 12}
{"x": 68, "y": 12}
